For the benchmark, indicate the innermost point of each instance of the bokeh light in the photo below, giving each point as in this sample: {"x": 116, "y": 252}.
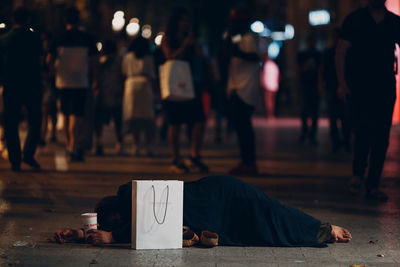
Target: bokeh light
{"x": 158, "y": 38}
{"x": 257, "y": 26}
{"x": 146, "y": 31}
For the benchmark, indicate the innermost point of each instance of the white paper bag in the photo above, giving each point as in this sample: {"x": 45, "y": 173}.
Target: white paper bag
{"x": 157, "y": 214}
{"x": 176, "y": 81}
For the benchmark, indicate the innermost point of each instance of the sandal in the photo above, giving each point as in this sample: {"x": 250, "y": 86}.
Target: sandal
{"x": 190, "y": 238}
{"x": 209, "y": 239}
{"x": 355, "y": 185}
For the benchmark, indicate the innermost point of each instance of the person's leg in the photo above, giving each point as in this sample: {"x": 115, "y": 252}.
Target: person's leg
{"x": 71, "y": 132}
{"x": 43, "y": 132}
{"x": 197, "y": 139}
{"x": 12, "y": 112}
{"x": 379, "y": 144}
{"x": 34, "y": 121}
{"x": 346, "y": 125}
{"x": 314, "y": 113}
{"x": 241, "y": 119}
{"x": 149, "y": 132}
{"x": 361, "y": 146}
{"x": 173, "y": 137}
{"x": 333, "y": 127}
{"x": 117, "y": 116}
{"x": 270, "y": 104}
{"x": 304, "y": 119}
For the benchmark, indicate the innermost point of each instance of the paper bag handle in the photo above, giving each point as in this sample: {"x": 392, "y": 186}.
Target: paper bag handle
{"x": 154, "y": 205}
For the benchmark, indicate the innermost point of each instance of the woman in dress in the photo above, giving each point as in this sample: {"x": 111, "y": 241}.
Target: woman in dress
{"x": 138, "y": 101}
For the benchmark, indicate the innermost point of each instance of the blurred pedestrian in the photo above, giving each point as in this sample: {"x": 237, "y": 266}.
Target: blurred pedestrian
{"x": 337, "y": 108}
{"x": 22, "y": 51}
{"x": 74, "y": 54}
{"x": 49, "y": 101}
{"x": 138, "y": 101}
{"x": 179, "y": 44}
{"x": 243, "y": 87}
{"x": 270, "y": 78}
{"x": 365, "y": 67}
{"x": 109, "y": 97}
{"x": 309, "y": 62}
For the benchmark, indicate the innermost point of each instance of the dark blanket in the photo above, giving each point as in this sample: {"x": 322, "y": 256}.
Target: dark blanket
{"x": 241, "y": 214}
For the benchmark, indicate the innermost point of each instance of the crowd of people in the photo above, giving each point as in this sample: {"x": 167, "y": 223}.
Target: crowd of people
{"x": 122, "y": 84}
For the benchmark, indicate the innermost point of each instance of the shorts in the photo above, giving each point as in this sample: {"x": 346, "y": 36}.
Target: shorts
{"x": 185, "y": 112}
{"x": 73, "y": 101}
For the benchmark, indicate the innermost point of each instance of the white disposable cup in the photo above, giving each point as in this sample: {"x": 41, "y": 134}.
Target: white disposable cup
{"x": 89, "y": 221}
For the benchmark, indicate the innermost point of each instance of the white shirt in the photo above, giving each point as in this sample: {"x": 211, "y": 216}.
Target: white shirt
{"x": 244, "y": 76}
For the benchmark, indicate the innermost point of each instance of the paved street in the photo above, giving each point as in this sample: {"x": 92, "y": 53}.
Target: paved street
{"x": 34, "y": 204}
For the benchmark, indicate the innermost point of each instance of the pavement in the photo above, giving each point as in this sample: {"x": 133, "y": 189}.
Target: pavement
{"x": 34, "y": 204}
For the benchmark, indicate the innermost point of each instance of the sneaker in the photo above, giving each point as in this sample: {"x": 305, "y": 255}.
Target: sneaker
{"x": 244, "y": 169}
{"x": 196, "y": 165}
{"x": 376, "y": 195}
{"x": 32, "y": 163}
{"x": 178, "y": 168}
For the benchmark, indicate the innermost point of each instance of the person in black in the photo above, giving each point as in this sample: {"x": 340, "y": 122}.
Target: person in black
{"x": 337, "y": 108}
{"x": 22, "y": 87}
{"x": 309, "y": 63}
{"x": 74, "y": 57}
{"x": 239, "y": 213}
{"x": 365, "y": 68}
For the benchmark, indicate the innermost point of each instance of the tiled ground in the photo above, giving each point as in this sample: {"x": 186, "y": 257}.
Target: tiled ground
{"x": 33, "y": 205}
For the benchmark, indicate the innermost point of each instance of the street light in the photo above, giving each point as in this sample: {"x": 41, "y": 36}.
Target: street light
{"x": 146, "y": 31}
{"x": 257, "y": 26}
{"x": 133, "y": 27}
{"x": 158, "y": 38}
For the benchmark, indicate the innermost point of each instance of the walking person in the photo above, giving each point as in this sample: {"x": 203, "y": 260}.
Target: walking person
{"x": 337, "y": 109}
{"x": 365, "y": 67}
{"x": 109, "y": 97}
{"x": 74, "y": 56}
{"x": 179, "y": 44}
{"x": 22, "y": 50}
{"x": 309, "y": 63}
{"x": 138, "y": 101}
{"x": 243, "y": 88}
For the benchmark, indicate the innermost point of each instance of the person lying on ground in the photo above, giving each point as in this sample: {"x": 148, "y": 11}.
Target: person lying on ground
{"x": 239, "y": 213}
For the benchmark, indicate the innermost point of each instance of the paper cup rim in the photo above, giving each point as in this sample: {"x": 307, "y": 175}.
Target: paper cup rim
{"x": 90, "y": 215}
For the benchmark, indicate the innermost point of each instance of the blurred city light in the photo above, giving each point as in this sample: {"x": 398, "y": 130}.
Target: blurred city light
{"x": 266, "y": 32}
{"x": 158, "y": 38}
{"x": 133, "y": 27}
{"x": 273, "y": 50}
{"x": 146, "y": 31}
{"x": 278, "y": 36}
{"x": 31, "y": 30}
{"x": 99, "y": 46}
{"x": 236, "y": 38}
{"x": 257, "y": 26}
{"x": 118, "y": 23}
{"x": 3, "y": 25}
{"x": 119, "y": 14}
{"x": 319, "y": 17}
{"x": 289, "y": 32}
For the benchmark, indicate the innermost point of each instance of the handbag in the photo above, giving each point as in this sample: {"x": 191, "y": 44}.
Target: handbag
{"x": 157, "y": 214}
{"x": 176, "y": 81}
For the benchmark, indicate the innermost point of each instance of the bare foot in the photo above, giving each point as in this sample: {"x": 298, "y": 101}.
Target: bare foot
{"x": 340, "y": 235}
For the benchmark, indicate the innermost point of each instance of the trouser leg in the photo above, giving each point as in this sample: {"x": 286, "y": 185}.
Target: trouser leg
{"x": 12, "y": 113}
{"x": 379, "y": 146}
{"x": 34, "y": 121}
{"x": 362, "y": 143}
{"x": 241, "y": 118}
